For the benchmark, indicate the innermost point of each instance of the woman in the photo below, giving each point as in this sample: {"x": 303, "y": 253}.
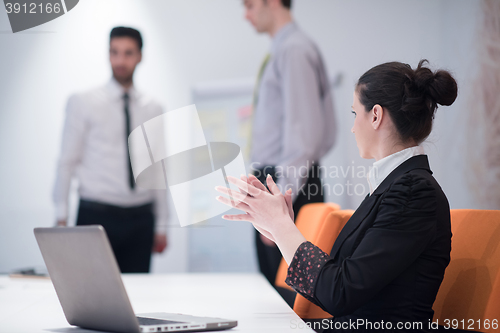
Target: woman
{"x": 388, "y": 262}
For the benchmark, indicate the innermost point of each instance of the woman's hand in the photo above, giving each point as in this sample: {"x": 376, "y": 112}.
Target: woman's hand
{"x": 267, "y": 210}
{"x": 288, "y": 198}
{"x": 288, "y": 194}
{"x": 270, "y": 212}
{"x": 264, "y": 235}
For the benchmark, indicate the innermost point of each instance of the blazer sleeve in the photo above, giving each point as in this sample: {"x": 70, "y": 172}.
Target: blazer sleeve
{"x": 304, "y": 269}
{"x": 405, "y": 224}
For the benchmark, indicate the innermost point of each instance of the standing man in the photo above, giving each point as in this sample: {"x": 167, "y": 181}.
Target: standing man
{"x": 293, "y": 91}
{"x": 95, "y": 151}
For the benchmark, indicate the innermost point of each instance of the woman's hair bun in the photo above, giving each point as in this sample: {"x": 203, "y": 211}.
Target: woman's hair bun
{"x": 409, "y": 95}
{"x": 440, "y": 86}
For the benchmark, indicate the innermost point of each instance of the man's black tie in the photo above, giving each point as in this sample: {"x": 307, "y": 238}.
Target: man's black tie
{"x": 127, "y": 132}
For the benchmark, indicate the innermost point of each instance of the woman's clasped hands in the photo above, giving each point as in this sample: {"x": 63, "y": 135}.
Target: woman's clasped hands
{"x": 270, "y": 212}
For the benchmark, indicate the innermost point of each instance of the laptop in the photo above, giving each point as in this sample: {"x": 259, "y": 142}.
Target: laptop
{"x": 87, "y": 280}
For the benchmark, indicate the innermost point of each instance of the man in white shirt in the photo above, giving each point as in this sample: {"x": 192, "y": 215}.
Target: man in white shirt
{"x": 95, "y": 151}
{"x": 293, "y": 121}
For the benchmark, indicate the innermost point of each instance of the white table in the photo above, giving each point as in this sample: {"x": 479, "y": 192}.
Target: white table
{"x": 31, "y": 305}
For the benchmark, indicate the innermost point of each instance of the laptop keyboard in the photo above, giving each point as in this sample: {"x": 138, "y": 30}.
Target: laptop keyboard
{"x": 152, "y": 321}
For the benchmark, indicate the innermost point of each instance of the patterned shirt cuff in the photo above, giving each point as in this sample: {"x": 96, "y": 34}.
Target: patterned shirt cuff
{"x": 304, "y": 269}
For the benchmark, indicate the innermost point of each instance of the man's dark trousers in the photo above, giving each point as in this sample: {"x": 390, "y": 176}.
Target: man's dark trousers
{"x": 130, "y": 231}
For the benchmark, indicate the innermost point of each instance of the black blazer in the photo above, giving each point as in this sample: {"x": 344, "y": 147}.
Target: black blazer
{"x": 389, "y": 260}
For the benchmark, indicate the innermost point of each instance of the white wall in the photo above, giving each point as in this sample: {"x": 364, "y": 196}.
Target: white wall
{"x": 187, "y": 42}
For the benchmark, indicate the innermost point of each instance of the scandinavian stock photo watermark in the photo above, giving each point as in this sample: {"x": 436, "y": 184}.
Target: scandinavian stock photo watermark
{"x": 192, "y": 169}
{"x": 364, "y": 325}
{"x": 337, "y": 180}
{"x": 24, "y": 15}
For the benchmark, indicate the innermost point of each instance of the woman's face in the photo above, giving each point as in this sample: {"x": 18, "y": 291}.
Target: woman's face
{"x": 363, "y": 129}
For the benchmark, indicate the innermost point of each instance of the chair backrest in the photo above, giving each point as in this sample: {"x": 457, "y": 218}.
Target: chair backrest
{"x": 309, "y": 221}
{"x": 470, "y": 290}
{"x": 324, "y": 239}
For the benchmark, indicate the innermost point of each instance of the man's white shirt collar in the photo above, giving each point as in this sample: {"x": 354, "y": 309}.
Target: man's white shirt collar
{"x": 117, "y": 90}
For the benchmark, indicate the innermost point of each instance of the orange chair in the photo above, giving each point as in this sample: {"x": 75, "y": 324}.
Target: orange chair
{"x": 470, "y": 292}
{"x": 323, "y": 236}
{"x": 309, "y": 221}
